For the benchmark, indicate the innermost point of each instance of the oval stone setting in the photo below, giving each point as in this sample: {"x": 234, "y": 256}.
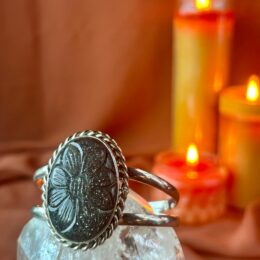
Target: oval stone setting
{"x": 82, "y": 189}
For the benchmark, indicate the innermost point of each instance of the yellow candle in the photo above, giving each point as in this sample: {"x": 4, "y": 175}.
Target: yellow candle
{"x": 239, "y": 142}
{"x": 200, "y": 69}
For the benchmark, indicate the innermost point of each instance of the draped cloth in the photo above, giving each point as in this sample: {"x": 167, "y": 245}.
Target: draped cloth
{"x": 67, "y": 66}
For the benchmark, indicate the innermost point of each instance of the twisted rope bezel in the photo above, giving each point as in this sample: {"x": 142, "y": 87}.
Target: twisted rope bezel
{"x": 122, "y": 194}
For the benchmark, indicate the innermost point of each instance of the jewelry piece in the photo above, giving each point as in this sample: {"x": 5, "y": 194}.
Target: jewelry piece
{"x": 85, "y": 185}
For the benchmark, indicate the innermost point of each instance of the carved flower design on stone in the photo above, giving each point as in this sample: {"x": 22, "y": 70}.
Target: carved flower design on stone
{"x": 82, "y": 184}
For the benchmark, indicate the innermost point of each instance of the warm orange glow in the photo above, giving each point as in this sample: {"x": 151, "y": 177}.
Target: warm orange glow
{"x": 252, "y": 93}
{"x": 203, "y": 4}
{"x": 192, "y": 156}
{"x": 39, "y": 182}
{"x": 192, "y": 175}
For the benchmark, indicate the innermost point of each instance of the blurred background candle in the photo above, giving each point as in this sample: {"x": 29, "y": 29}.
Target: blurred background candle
{"x": 239, "y": 142}
{"x": 200, "y": 181}
{"x": 202, "y": 37}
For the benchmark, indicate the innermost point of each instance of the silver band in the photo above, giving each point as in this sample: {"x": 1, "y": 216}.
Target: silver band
{"x": 128, "y": 219}
{"x": 157, "y": 207}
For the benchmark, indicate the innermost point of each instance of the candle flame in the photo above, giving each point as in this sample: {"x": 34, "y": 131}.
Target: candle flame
{"x": 252, "y": 93}
{"x": 192, "y": 156}
{"x": 203, "y": 4}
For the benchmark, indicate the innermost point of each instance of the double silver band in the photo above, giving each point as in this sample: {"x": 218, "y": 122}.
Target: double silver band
{"x": 157, "y": 207}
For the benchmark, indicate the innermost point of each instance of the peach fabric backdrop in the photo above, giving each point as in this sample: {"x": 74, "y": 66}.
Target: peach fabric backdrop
{"x": 94, "y": 64}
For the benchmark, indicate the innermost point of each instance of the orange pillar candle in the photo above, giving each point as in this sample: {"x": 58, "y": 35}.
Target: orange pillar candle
{"x": 239, "y": 141}
{"x": 200, "y": 181}
{"x": 202, "y": 36}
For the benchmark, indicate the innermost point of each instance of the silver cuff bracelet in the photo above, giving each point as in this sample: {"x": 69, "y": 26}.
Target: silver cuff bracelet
{"x": 85, "y": 185}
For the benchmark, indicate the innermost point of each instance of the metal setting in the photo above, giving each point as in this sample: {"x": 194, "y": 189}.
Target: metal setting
{"x": 85, "y": 185}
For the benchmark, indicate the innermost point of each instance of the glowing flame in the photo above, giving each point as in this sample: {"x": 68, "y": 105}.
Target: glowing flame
{"x": 203, "y": 4}
{"x": 252, "y": 93}
{"x": 192, "y": 156}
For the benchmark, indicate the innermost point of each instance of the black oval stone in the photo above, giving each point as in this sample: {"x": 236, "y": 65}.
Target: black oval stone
{"x": 82, "y": 189}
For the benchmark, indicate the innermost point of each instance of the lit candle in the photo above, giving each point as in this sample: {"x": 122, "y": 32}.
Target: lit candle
{"x": 202, "y": 33}
{"x": 200, "y": 181}
{"x": 239, "y": 141}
